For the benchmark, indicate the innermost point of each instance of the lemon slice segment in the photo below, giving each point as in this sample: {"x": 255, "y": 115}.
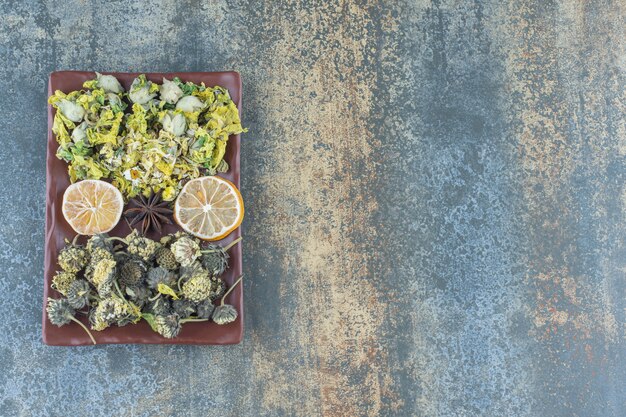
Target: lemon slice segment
{"x": 92, "y": 206}
{"x": 209, "y": 208}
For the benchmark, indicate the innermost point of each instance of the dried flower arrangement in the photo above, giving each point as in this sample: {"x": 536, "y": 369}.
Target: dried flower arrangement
{"x": 166, "y": 283}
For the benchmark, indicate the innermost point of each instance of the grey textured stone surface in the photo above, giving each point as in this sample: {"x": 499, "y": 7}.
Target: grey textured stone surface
{"x": 435, "y": 208}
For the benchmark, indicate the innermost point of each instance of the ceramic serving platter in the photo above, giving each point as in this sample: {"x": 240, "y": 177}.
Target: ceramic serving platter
{"x": 57, "y": 229}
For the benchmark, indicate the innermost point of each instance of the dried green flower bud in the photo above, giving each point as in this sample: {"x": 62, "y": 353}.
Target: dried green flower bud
{"x": 139, "y": 294}
{"x": 197, "y": 288}
{"x": 166, "y": 259}
{"x": 224, "y": 314}
{"x": 168, "y": 326}
{"x": 131, "y": 272}
{"x": 205, "y": 309}
{"x": 160, "y": 275}
{"x": 62, "y": 281}
{"x": 215, "y": 259}
{"x": 184, "y": 308}
{"x": 159, "y": 307}
{"x": 100, "y": 241}
{"x": 78, "y": 294}
{"x": 59, "y": 311}
{"x": 185, "y": 250}
{"x": 142, "y": 247}
{"x": 73, "y": 258}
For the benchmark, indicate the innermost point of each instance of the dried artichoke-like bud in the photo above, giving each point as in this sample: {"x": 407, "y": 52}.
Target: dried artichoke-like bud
{"x": 100, "y": 241}
{"x": 205, "y": 309}
{"x": 168, "y": 326}
{"x": 131, "y": 272}
{"x": 78, "y": 294}
{"x": 224, "y": 314}
{"x": 160, "y": 275}
{"x": 73, "y": 258}
{"x": 185, "y": 250}
{"x": 141, "y": 247}
{"x": 166, "y": 259}
{"x": 197, "y": 288}
{"x": 62, "y": 281}
{"x": 60, "y": 312}
{"x": 218, "y": 288}
{"x": 184, "y": 308}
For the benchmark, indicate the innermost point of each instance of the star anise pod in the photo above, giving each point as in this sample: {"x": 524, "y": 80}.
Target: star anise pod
{"x": 151, "y": 212}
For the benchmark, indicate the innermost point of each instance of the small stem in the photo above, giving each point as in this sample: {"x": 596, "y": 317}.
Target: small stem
{"x": 155, "y": 297}
{"x": 75, "y": 239}
{"x": 231, "y": 288}
{"x": 178, "y": 283}
{"x": 192, "y": 320}
{"x": 82, "y": 312}
{"x": 233, "y": 243}
{"x": 119, "y": 290}
{"x": 84, "y": 328}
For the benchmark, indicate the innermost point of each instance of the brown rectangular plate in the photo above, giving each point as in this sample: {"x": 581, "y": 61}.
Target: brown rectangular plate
{"x": 57, "y": 229}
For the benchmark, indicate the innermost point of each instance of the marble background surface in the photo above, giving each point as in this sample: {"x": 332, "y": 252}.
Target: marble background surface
{"x": 435, "y": 208}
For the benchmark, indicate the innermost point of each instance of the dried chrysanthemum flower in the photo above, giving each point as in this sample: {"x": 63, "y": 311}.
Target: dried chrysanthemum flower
{"x": 186, "y": 272}
{"x": 160, "y": 275}
{"x": 184, "y": 308}
{"x": 103, "y": 277}
{"x": 100, "y": 253}
{"x": 159, "y": 306}
{"x": 205, "y": 309}
{"x": 218, "y": 288}
{"x": 97, "y": 254}
{"x": 131, "y": 272}
{"x": 215, "y": 258}
{"x": 62, "y": 281}
{"x": 73, "y": 258}
{"x": 142, "y": 247}
{"x": 166, "y": 259}
{"x": 226, "y": 313}
{"x": 138, "y": 294}
{"x": 103, "y": 270}
{"x": 78, "y": 294}
{"x": 60, "y": 313}
{"x": 197, "y": 288}
{"x": 185, "y": 250}
{"x": 169, "y": 239}
{"x": 100, "y": 241}
{"x": 109, "y": 311}
{"x": 168, "y": 326}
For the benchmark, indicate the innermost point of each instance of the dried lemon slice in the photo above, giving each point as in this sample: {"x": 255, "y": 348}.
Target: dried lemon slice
{"x": 209, "y": 208}
{"x": 92, "y": 206}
